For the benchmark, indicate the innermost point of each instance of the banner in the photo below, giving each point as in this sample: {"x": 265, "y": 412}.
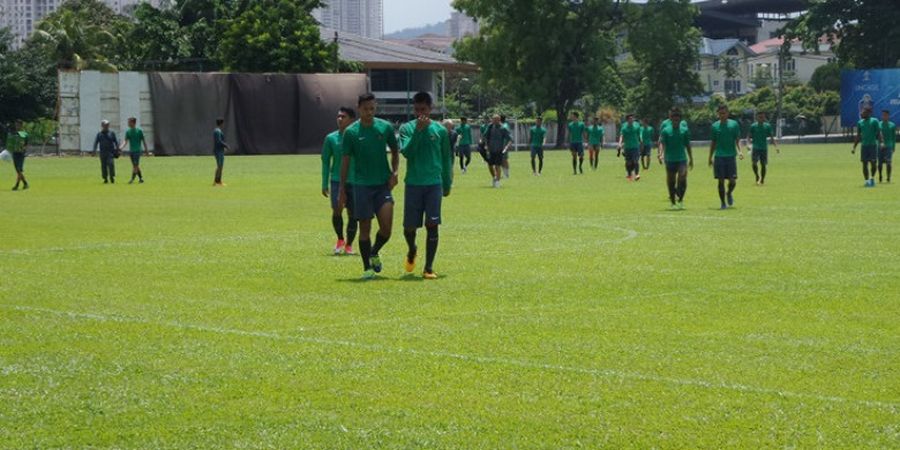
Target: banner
{"x": 879, "y": 89}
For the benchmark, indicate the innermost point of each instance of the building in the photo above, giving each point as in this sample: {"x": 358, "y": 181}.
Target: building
{"x": 462, "y": 25}
{"x": 799, "y": 65}
{"x": 360, "y": 17}
{"x": 397, "y": 71}
{"x": 751, "y": 21}
{"x": 723, "y": 66}
{"x": 433, "y": 42}
{"x": 23, "y": 16}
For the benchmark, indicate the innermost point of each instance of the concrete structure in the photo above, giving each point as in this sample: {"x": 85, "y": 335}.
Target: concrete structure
{"x": 23, "y": 16}
{"x": 360, "y": 17}
{"x": 750, "y": 21}
{"x": 715, "y": 55}
{"x": 462, "y": 25}
{"x": 800, "y": 65}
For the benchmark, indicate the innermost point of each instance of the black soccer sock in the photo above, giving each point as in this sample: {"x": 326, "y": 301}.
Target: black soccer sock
{"x": 352, "y": 226}
{"x": 431, "y": 246}
{"x": 133, "y": 175}
{"x": 541, "y": 165}
{"x": 637, "y": 168}
{"x": 533, "y": 168}
{"x": 763, "y": 173}
{"x": 581, "y": 164}
{"x": 756, "y": 171}
{"x": 682, "y": 188}
{"x": 461, "y": 166}
{"x": 140, "y": 174}
{"x": 866, "y": 171}
{"x": 410, "y": 236}
{"x": 574, "y": 165}
{"x": 337, "y": 222}
{"x": 379, "y": 242}
{"x": 880, "y": 171}
{"x": 889, "y": 169}
{"x": 731, "y": 185}
{"x": 670, "y": 183}
{"x": 365, "y": 251}
{"x": 722, "y": 191}
{"x": 468, "y": 159}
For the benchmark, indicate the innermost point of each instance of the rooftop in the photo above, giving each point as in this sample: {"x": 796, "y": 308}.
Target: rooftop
{"x": 380, "y": 54}
{"x": 716, "y": 47}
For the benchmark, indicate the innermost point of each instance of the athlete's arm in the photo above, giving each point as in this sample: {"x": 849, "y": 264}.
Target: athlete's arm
{"x": 446, "y": 165}
{"x": 856, "y": 139}
{"x": 740, "y": 149}
{"x": 326, "y": 166}
{"x": 712, "y": 151}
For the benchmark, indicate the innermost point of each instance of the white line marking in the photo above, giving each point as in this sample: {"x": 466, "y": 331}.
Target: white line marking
{"x": 606, "y": 373}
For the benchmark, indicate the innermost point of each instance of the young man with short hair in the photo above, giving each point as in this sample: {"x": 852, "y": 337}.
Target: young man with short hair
{"x": 646, "y": 142}
{"x": 17, "y": 143}
{"x": 465, "y": 144}
{"x": 630, "y": 141}
{"x": 107, "y": 142}
{"x": 577, "y": 133}
{"x": 889, "y": 141}
{"x": 725, "y": 146}
{"x": 364, "y": 143}
{"x": 675, "y": 151}
{"x": 538, "y": 137}
{"x": 134, "y": 137}
{"x": 497, "y": 141}
{"x": 429, "y": 176}
{"x": 868, "y": 131}
{"x": 759, "y": 136}
{"x": 219, "y": 147}
{"x": 595, "y": 142}
{"x": 332, "y": 157}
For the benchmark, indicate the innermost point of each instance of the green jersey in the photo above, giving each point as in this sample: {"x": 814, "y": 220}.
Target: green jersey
{"x": 676, "y": 143}
{"x": 428, "y": 155}
{"x": 135, "y": 137}
{"x": 332, "y": 156}
{"x": 868, "y": 131}
{"x": 576, "y": 132}
{"x": 668, "y": 123}
{"x": 595, "y": 135}
{"x": 647, "y": 135}
{"x": 537, "y": 136}
{"x": 465, "y": 134}
{"x": 889, "y": 134}
{"x": 725, "y": 136}
{"x": 631, "y": 135}
{"x": 366, "y": 145}
{"x": 16, "y": 142}
{"x": 760, "y": 134}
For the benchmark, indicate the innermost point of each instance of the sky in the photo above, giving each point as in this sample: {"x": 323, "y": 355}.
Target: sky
{"x": 400, "y": 14}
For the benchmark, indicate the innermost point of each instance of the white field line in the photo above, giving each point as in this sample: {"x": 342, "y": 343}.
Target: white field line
{"x": 145, "y": 243}
{"x": 522, "y": 363}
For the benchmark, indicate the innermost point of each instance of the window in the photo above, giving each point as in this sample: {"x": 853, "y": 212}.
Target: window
{"x": 790, "y": 64}
{"x": 716, "y": 83}
{"x": 733, "y": 86}
{"x": 716, "y": 64}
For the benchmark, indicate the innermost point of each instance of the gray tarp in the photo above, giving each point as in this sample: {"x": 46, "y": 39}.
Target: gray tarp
{"x": 264, "y": 113}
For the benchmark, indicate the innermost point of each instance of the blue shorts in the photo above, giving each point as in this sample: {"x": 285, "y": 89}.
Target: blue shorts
{"x": 368, "y": 200}
{"x": 537, "y": 150}
{"x": 577, "y": 147}
{"x": 869, "y": 153}
{"x": 725, "y": 167}
{"x": 676, "y": 166}
{"x": 19, "y": 161}
{"x": 220, "y": 158}
{"x": 886, "y": 155}
{"x": 632, "y": 154}
{"x": 761, "y": 156}
{"x": 464, "y": 150}
{"x": 135, "y": 158}
{"x": 646, "y": 150}
{"x": 422, "y": 205}
{"x": 335, "y": 188}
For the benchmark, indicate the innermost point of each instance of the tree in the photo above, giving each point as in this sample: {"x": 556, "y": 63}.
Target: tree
{"x": 826, "y": 78}
{"x": 27, "y": 82}
{"x": 551, "y": 52}
{"x": 665, "y": 46}
{"x": 863, "y": 33}
{"x": 83, "y": 34}
{"x": 157, "y": 40}
{"x": 276, "y": 36}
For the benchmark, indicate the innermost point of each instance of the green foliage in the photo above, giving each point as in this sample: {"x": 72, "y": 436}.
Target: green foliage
{"x": 865, "y": 33}
{"x": 157, "y": 41}
{"x": 27, "y": 81}
{"x": 83, "y": 35}
{"x": 826, "y": 78}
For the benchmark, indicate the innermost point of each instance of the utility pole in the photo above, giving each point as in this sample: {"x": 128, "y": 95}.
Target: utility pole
{"x": 780, "y": 93}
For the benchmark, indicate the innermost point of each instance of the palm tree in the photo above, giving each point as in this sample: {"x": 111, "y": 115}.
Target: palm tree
{"x": 77, "y": 44}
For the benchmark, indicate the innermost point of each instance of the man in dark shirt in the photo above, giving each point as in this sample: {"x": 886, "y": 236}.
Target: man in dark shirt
{"x": 108, "y": 143}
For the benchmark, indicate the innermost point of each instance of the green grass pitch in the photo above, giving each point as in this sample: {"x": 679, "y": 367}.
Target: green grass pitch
{"x": 570, "y": 312}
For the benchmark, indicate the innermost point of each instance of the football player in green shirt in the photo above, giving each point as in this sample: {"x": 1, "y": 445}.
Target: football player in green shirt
{"x": 16, "y": 143}
{"x": 332, "y": 156}
{"x": 464, "y": 148}
{"x": 134, "y": 137}
{"x": 675, "y": 151}
{"x": 595, "y": 142}
{"x": 646, "y": 142}
{"x": 630, "y": 141}
{"x": 889, "y": 141}
{"x": 364, "y": 143}
{"x": 759, "y": 136}
{"x": 868, "y": 131}
{"x": 429, "y": 176}
{"x": 576, "y": 143}
{"x": 537, "y": 137}
{"x": 725, "y": 145}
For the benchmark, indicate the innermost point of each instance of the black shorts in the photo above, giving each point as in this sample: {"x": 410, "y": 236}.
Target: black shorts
{"x": 368, "y": 200}
{"x": 646, "y": 150}
{"x": 885, "y": 155}
{"x": 676, "y": 166}
{"x": 348, "y": 188}
{"x": 761, "y": 156}
{"x": 537, "y": 150}
{"x": 135, "y": 158}
{"x": 577, "y": 148}
{"x": 632, "y": 154}
{"x": 422, "y": 205}
{"x": 19, "y": 161}
{"x": 869, "y": 153}
{"x": 464, "y": 150}
{"x": 725, "y": 167}
{"x": 495, "y": 159}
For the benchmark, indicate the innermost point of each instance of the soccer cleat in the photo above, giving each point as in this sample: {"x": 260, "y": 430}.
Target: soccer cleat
{"x": 464, "y": 170}
{"x": 637, "y": 178}
{"x": 730, "y": 200}
{"x": 429, "y": 275}
{"x": 681, "y": 205}
{"x": 16, "y": 187}
{"x": 674, "y": 207}
{"x": 724, "y": 206}
{"x": 348, "y": 249}
{"x": 375, "y": 261}
{"x": 25, "y": 187}
{"x": 141, "y": 181}
{"x": 409, "y": 265}
{"x": 496, "y": 184}
{"x": 339, "y": 247}
{"x": 368, "y": 274}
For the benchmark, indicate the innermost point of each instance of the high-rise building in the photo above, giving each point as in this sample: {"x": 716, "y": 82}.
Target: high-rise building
{"x": 360, "y": 17}
{"x": 462, "y": 25}
{"x": 22, "y": 16}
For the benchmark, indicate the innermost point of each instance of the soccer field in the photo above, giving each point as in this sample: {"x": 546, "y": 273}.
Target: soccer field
{"x": 571, "y": 311}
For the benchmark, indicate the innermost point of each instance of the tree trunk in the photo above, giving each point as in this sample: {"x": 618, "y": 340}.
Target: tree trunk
{"x": 562, "y": 114}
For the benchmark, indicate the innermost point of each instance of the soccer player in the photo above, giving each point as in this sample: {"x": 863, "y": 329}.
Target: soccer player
{"x": 454, "y": 136}
{"x": 134, "y": 137}
{"x": 497, "y": 141}
{"x": 537, "y": 137}
{"x": 725, "y": 146}
{"x": 16, "y": 143}
{"x": 219, "y": 147}
{"x": 576, "y": 143}
{"x": 108, "y": 143}
{"x": 332, "y": 157}
{"x": 675, "y": 150}
{"x": 364, "y": 143}
{"x": 646, "y": 142}
{"x": 465, "y": 144}
{"x": 760, "y": 134}
{"x": 429, "y": 176}
{"x": 868, "y": 130}
{"x": 889, "y": 141}
{"x": 630, "y": 141}
{"x": 506, "y": 153}
{"x": 595, "y": 142}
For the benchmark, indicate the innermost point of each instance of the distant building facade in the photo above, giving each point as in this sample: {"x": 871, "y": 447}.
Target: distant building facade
{"x": 360, "y": 17}
{"x": 462, "y": 25}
